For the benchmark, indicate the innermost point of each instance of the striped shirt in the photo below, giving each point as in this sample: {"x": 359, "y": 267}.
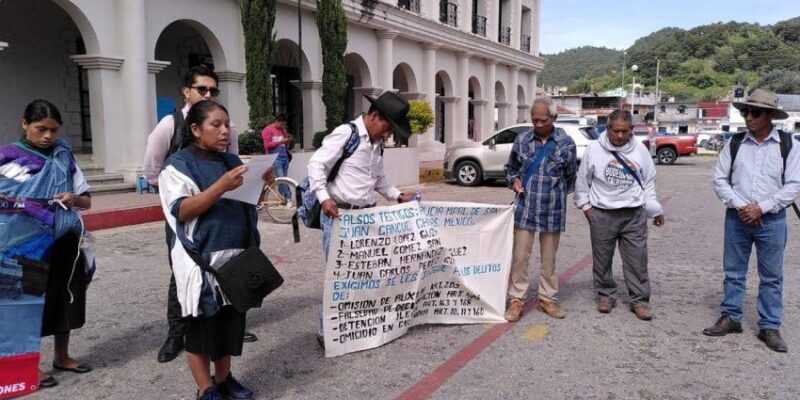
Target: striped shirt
{"x": 542, "y": 206}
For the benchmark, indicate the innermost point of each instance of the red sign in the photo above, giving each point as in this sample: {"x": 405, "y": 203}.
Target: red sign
{"x": 19, "y": 375}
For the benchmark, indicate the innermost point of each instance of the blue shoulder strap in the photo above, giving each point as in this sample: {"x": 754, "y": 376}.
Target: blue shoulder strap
{"x": 534, "y": 165}
{"x": 627, "y": 169}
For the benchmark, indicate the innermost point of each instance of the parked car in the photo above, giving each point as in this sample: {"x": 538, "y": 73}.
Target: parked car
{"x": 668, "y": 146}
{"x": 471, "y": 163}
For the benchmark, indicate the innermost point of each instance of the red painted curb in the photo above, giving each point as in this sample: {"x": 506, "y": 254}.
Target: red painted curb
{"x": 95, "y": 221}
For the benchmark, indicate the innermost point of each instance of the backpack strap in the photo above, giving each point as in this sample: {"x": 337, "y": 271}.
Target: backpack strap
{"x": 349, "y": 148}
{"x": 735, "y": 143}
{"x": 786, "y": 147}
{"x": 178, "y": 140}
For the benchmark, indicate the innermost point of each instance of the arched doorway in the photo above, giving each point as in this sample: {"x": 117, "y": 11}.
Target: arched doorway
{"x": 500, "y": 106}
{"x": 444, "y": 108}
{"x": 42, "y": 35}
{"x": 183, "y": 47}
{"x": 475, "y": 109}
{"x": 359, "y": 79}
{"x": 405, "y": 83}
{"x": 522, "y": 105}
{"x": 288, "y": 62}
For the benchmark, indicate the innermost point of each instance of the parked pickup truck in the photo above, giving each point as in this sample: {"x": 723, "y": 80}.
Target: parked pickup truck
{"x": 668, "y": 146}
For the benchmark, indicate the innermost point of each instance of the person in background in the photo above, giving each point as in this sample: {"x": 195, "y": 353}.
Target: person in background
{"x": 277, "y": 141}
{"x": 41, "y": 166}
{"x": 191, "y": 186}
{"x": 169, "y": 136}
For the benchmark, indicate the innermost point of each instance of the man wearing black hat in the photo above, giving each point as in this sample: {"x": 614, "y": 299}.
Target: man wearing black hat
{"x": 360, "y": 174}
{"x": 757, "y": 177}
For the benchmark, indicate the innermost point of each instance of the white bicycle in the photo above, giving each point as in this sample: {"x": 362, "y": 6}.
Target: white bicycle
{"x": 274, "y": 201}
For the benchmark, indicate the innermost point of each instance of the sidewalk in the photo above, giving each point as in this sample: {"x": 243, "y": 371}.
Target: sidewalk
{"x": 122, "y": 209}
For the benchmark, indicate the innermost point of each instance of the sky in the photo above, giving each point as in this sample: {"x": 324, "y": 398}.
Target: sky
{"x": 618, "y": 23}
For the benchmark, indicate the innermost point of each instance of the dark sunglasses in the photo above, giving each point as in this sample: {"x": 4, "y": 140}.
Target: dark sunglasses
{"x": 205, "y": 89}
{"x": 755, "y": 112}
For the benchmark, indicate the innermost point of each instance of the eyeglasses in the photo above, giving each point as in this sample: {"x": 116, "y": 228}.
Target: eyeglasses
{"x": 753, "y": 111}
{"x": 202, "y": 90}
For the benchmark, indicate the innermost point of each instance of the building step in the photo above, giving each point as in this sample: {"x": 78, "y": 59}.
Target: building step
{"x": 107, "y": 188}
{"x": 100, "y": 179}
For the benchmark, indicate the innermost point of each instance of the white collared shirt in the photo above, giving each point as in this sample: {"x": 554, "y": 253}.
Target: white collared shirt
{"x": 359, "y": 175}
{"x": 757, "y": 174}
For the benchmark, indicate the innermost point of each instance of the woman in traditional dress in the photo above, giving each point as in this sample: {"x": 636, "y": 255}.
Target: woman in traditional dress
{"x": 191, "y": 188}
{"x": 40, "y": 171}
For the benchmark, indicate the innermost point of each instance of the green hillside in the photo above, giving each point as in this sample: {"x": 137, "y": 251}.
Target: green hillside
{"x": 700, "y": 63}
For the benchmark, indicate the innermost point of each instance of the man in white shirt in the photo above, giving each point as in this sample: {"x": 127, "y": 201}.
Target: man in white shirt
{"x": 756, "y": 179}
{"x": 361, "y": 173}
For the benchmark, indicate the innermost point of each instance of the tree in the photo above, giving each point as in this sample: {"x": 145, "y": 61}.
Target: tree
{"x": 781, "y": 81}
{"x": 258, "y": 20}
{"x": 332, "y": 26}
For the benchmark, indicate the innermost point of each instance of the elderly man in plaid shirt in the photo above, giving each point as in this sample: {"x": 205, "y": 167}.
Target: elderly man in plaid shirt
{"x": 541, "y": 169}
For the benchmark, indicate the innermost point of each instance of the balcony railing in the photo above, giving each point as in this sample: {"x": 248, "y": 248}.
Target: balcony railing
{"x": 410, "y": 5}
{"x": 479, "y": 25}
{"x": 505, "y": 35}
{"x": 525, "y": 43}
{"x": 448, "y": 13}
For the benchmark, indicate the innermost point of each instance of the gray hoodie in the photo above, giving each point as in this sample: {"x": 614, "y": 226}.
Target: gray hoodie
{"x": 603, "y": 182}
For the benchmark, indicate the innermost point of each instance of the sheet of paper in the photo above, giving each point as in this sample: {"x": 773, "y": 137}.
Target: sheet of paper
{"x": 253, "y": 184}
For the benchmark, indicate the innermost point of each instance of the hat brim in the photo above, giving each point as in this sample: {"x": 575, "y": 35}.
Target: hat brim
{"x": 402, "y": 128}
{"x": 777, "y": 113}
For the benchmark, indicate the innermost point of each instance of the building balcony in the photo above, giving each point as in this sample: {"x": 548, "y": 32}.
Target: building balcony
{"x": 525, "y": 43}
{"x": 448, "y": 13}
{"x": 479, "y": 25}
{"x": 410, "y": 5}
{"x": 505, "y": 35}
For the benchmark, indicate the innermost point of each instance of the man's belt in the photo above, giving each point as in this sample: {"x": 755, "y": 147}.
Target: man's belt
{"x": 348, "y": 206}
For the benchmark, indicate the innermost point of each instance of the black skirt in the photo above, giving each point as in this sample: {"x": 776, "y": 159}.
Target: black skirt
{"x": 65, "y": 298}
{"x": 217, "y": 336}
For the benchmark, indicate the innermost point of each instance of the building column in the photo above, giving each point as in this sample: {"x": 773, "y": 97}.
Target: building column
{"x": 134, "y": 94}
{"x": 361, "y": 105}
{"x": 478, "y": 111}
{"x": 153, "y": 68}
{"x": 492, "y": 19}
{"x": 490, "y": 96}
{"x": 385, "y": 58}
{"x": 104, "y": 101}
{"x": 429, "y": 149}
{"x": 533, "y": 83}
{"x": 503, "y": 118}
{"x": 462, "y": 106}
{"x": 465, "y": 15}
{"x": 234, "y": 97}
{"x": 511, "y": 95}
{"x": 522, "y": 113}
{"x": 516, "y": 23}
{"x": 535, "y": 29}
{"x": 313, "y": 111}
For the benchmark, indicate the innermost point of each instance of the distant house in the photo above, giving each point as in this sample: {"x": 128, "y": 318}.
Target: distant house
{"x": 711, "y": 115}
{"x": 789, "y": 102}
{"x": 678, "y": 117}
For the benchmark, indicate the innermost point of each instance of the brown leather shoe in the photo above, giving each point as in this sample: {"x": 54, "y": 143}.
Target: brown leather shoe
{"x": 551, "y": 308}
{"x": 642, "y": 312}
{"x": 514, "y": 311}
{"x": 772, "y": 338}
{"x": 605, "y": 305}
{"x": 723, "y": 326}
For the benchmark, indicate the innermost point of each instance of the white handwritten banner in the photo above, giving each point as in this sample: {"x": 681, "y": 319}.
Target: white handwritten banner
{"x": 391, "y": 268}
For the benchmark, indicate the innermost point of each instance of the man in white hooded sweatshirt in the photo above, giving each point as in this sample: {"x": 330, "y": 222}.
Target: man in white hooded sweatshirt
{"x": 616, "y": 190}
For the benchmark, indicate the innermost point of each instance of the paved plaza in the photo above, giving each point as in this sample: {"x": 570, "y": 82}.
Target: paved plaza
{"x": 585, "y": 356}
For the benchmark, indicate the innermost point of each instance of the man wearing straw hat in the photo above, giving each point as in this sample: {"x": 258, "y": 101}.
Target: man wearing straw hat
{"x": 757, "y": 177}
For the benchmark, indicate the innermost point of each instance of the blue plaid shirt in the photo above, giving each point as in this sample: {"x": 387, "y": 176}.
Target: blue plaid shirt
{"x": 542, "y": 206}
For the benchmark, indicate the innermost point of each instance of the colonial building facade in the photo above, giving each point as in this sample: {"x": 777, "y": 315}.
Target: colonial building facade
{"x": 114, "y": 66}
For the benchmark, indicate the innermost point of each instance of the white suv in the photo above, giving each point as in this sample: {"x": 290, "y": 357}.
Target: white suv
{"x": 470, "y": 163}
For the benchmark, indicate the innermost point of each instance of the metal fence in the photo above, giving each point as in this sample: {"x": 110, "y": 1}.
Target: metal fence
{"x": 448, "y": 13}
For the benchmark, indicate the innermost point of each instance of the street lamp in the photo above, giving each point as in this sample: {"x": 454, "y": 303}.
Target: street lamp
{"x": 634, "y": 68}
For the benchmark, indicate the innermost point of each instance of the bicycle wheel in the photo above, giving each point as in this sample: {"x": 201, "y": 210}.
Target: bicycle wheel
{"x": 278, "y": 200}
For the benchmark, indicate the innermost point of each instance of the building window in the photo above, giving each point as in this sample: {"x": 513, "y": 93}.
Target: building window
{"x": 410, "y": 5}
{"x": 797, "y": 126}
{"x": 681, "y": 109}
{"x": 662, "y": 108}
{"x": 505, "y": 35}
{"x": 683, "y": 129}
{"x": 448, "y": 13}
{"x": 479, "y": 25}
{"x": 525, "y": 43}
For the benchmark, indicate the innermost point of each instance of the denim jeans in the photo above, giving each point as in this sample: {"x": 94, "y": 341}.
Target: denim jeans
{"x": 281, "y": 168}
{"x": 770, "y": 242}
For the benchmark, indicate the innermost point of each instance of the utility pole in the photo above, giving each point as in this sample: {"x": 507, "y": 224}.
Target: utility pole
{"x": 658, "y": 95}
{"x": 623, "y": 79}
